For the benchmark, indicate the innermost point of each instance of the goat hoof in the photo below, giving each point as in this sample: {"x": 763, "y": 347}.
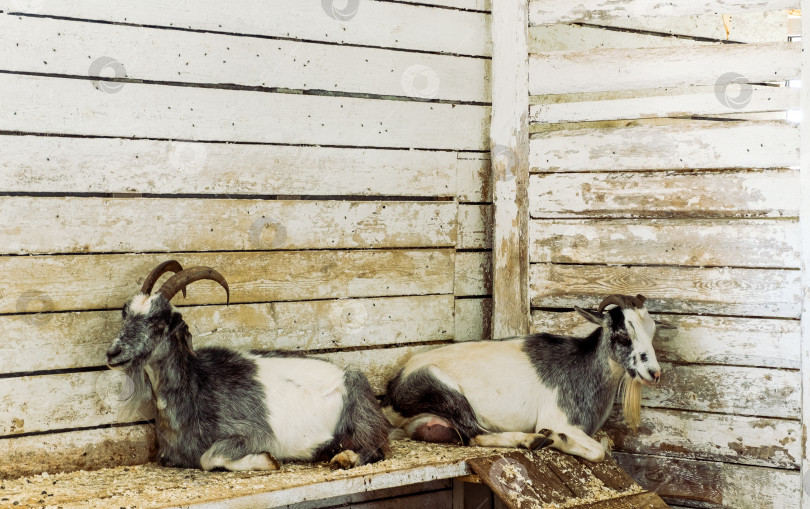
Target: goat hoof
{"x": 540, "y": 442}
{"x": 344, "y": 460}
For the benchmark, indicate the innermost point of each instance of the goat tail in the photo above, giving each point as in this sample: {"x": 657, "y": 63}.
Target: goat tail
{"x": 631, "y": 401}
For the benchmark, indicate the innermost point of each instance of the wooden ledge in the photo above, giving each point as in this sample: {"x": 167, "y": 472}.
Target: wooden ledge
{"x": 564, "y": 481}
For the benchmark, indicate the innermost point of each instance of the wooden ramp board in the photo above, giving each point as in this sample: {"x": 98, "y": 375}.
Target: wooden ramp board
{"x": 527, "y": 480}
{"x": 574, "y": 483}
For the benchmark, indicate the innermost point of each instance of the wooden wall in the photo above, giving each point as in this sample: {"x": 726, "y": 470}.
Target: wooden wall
{"x": 332, "y": 164}
{"x": 649, "y": 175}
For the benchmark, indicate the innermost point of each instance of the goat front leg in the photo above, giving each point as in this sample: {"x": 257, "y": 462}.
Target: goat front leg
{"x": 576, "y": 442}
{"x": 517, "y": 439}
{"x": 233, "y": 454}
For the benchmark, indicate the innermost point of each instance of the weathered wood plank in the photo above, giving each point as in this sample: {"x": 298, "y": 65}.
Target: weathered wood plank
{"x": 473, "y": 273}
{"x": 473, "y": 319}
{"x": 760, "y": 99}
{"x": 723, "y": 291}
{"x": 77, "y": 450}
{"x": 567, "y": 37}
{"x": 758, "y": 392}
{"x": 682, "y": 146}
{"x": 119, "y": 225}
{"x": 65, "y": 283}
{"x": 215, "y": 59}
{"x": 434, "y": 499}
{"x": 475, "y": 223}
{"x": 549, "y": 11}
{"x": 713, "y": 484}
{"x": 75, "y": 400}
{"x": 36, "y": 104}
{"x": 386, "y": 498}
{"x": 743, "y": 243}
{"x": 521, "y": 480}
{"x": 804, "y": 220}
{"x": 765, "y": 193}
{"x": 642, "y": 500}
{"x": 509, "y": 143}
{"x": 715, "y": 437}
{"x": 638, "y": 68}
{"x": 42, "y": 164}
{"x": 755, "y": 342}
{"x": 80, "y": 339}
{"x": 474, "y": 177}
{"x": 378, "y": 24}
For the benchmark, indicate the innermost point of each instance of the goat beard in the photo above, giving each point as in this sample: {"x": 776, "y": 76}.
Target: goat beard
{"x": 141, "y": 391}
{"x": 631, "y": 401}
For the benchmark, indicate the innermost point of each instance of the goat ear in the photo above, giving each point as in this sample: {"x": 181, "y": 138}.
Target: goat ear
{"x": 180, "y": 328}
{"x": 591, "y": 316}
{"x": 664, "y": 325}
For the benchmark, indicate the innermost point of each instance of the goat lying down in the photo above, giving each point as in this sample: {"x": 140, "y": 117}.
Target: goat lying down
{"x": 219, "y": 408}
{"x": 533, "y": 391}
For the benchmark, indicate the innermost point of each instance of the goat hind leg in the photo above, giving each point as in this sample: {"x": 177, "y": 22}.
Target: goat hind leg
{"x": 517, "y": 439}
{"x": 233, "y": 454}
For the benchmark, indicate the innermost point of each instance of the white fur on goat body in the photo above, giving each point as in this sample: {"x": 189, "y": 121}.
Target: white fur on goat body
{"x": 516, "y": 400}
{"x": 304, "y": 399}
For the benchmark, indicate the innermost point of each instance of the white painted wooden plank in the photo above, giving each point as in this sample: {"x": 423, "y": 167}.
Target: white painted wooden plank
{"x": 77, "y": 450}
{"x": 66, "y": 283}
{"x": 566, "y": 37}
{"x": 755, "y": 342}
{"x": 474, "y": 5}
{"x": 473, "y": 319}
{"x": 43, "y": 164}
{"x": 80, "y": 339}
{"x": 761, "y": 99}
{"x": 474, "y": 227}
{"x": 429, "y": 500}
{"x": 743, "y": 243}
{"x": 716, "y": 437}
{"x": 764, "y": 26}
{"x": 631, "y": 69}
{"x": 756, "y": 392}
{"x": 682, "y": 146}
{"x": 768, "y": 193}
{"x": 550, "y": 11}
{"x": 380, "y": 24}
{"x": 36, "y": 225}
{"x": 804, "y": 220}
{"x": 712, "y": 484}
{"x": 66, "y": 106}
{"x": 410, "y": 495}
{"x": 74, "y": 400}
{"x": 58, "y": 46}
{"x": 722, "y": 291}
{"x": 474, "y": 177}
{"x": 473, "y": 273}
{"x": 509, "y": 144}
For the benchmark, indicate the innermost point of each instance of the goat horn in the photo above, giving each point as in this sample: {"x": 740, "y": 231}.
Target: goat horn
{"x": 184, "y": 278}
{"x": 619, "y": 300}
{"x": 151, "y": 279}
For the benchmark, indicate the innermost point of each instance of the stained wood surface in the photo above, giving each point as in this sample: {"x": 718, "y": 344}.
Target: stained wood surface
{"x": 689, "y": 145}
{"x": 762, "y": 99}
{"x": 765, "y": 193}
{"x": 206, "y": 58}
{"x": 694, "y": 243}
{"x": 60, "y": 283}
{"x": 383, "y": 24}
{"x": 754, "y": 342}
{"x": 473, "y": 177}
{"x": 473, "y": 273}
{"x": 88, "y": 399}
{"x": 475, "y": 224}
{"x": 80, "y": 339}
{"x": 713, "y": 484}
{"x": 44, "y": 164}
{"x": 631, "y": 69}
{"x": 36, "y": 104}
{"x": 109, "y": 225}
{"x": 691, "y": 290}
{"x": 549, "y": 11}
{"x": 755, "y": 441}
{"x": 473, "y": 319}
{"x": 509, "y": 145}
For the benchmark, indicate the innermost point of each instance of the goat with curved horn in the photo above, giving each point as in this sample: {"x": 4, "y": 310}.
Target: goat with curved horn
{"x": 185, "y": 277}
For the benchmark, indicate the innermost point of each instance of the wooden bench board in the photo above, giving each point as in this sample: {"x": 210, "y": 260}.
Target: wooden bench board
{"x": 412, "y": 462}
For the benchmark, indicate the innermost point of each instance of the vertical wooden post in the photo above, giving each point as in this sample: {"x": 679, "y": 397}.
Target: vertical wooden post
{"x": 509, "y": 143}
{"x": 804, "y": 222}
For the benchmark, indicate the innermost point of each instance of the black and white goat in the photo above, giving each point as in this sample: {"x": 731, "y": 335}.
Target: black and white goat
{"x": 532, "y": 391}
{"x": 219, "y": 408}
